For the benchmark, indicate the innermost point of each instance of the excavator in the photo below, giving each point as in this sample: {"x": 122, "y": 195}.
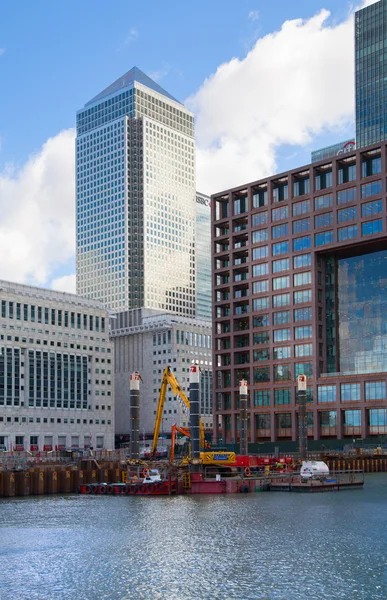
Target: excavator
{"x": 213, "y": 458}
{"x": 207, "y": 458}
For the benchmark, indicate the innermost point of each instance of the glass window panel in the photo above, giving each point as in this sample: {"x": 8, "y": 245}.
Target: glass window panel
{"x": 277, "y": 214}
{"x": 323, "y": 202}
{"x": 347, "y": 233}
{"x": 283, "y": 264}
{"x": 326, "y": 393}
{"x": 282, "y": 317}
{"x": 301, "y": 225}
{"x": 302, "y": 243}
{"x": 300, "y": 208}
{"x": 371, "y": 208}
{"x": 346, "y": 196}
{"x": 304, "y": 260}
{"x": 372, "y": 227}
{"x": 303, "y": 314}
{"x": 260, "y": 270}
{"x": 324, "y": 220}
{"x": 280, "y": 248}
{"x": 350, "y": 392}
{"x": 320, "y": 239}
{"x": 347, "y": 214}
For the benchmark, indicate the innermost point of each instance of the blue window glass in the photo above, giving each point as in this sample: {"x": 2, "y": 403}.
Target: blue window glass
{"x": 347, "y": 233}
{"x": 324, "y": 220}
{"x": 259, "y": 270}
{"x": 277, "y": 214}
{"x": 302, "y": 225}
{"x": 260, "y": 198}
{"x": 369, "y": 189}
{"x": 260, "y": 236}
{"x": 280, "y": 248}
{"x": 346, "y": 214}
{"x": 261, "y": 252}
{"x": 281, "y": 335}
{"x": 261, "y": 397}
{"x": 326, "y": 393}
{"x": 283, "y": 264}
{"x": 259, "y": 219}
{"x": 300, "y": 208}
{"x": 323, "y": 202}
{"x": 281, "y": 352}
{"x": 282, "y": 373}
{"x": 346, "y": 196}
{"x": 350, "y": 392}
{"x": 282, "y": 317}
{"x": 281, "y": 300}
{"x": 283, "y": 396}
{"x": 302, "y": 297}
{"x": 351, "y": 418}
{"x": 303, "y": 369}
{"x": 372, "y": 227}
{"x": 371, "y": 208}
{"x": 279, "y": 230}
{"x": 260, "y": 303}
{"x": 302, "y": 243}
{"x": 371, "y": 166}
{"x": 320, "y": 239}
{"x": 304, "y": 260}
{"x": 303, "y": 314}
{"x": 375, "y": 390}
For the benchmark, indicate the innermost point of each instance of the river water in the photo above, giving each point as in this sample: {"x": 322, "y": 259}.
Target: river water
{"x": 267, "y": 546}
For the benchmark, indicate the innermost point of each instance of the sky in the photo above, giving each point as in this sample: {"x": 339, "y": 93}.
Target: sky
{"x": 268, "y": 83}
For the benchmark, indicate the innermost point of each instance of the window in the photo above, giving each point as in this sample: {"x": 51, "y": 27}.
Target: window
{"x": 261, "y": 321}
{"x": 302, "y": 297}
{"x": 369, "y": 189}
{"x": 323, "y": 180}
{"x": 347, "y": 233}
{"x": 260, "y": 303}
{"x": 372, "y": 227}
{"x": 302, "y": 278}
{"x": 280, "y": 352}
{"x": 281, "y": 300}
{"x": 371, "y": 166}
{"x": 301, "y": 186}
{"x": 371, "y": 208}
{"x": 240, "y": 205}
{"x": 261, "y": 252}
{"x": 351, "y": 418}
{"x": 261, "y": 338}
{"x": 259, "y": 270}
{"x": 346, "y": 214}
{"x": 320, "y": 239}
{"x": 323, "y": 202}
{"x": 350, "y": 392}
{"x": 260, "y": 219}
{"x": 378, "y": 418}
{"x": 281, "y": 335}
{"x": 282, "y": 373}
{"x": 375, "y": 390}
{"x": 282, "y": 317}
{"x": 303, "y": 332}
{"x": 283, "y": 264}
{"x": 304, "y": 260}
{"x": 261, "y": 397}
{"x": 346, "y": 196}
{"x": 280, "y": 192}
{"x": 283, "y": 396}
{"x": 300, "y": 208}
{"x": 326, "y": 393}
{"x": 302, "y": 243}
{"x": 277, "y": 214}
{"x": 346, "y": 173}
{"x": 280, "y": 248}
{"x": 302, "y": 225}
{"x": 261, "y": 374}
{"x": 324, "y": 220}
{"x": 260, "y": 236}
{"x": 260, "y": 286}
{"x": 279, "y": 230}
{"x": 260, "y": 198}
{"x": 261, "y": 355}
{"x": 280, "y": 283}
{"x": 303, "y": 350}
{"x": 303, "y": 369}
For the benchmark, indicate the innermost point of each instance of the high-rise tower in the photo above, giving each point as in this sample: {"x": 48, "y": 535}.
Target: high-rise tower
{"x": 136, "y": 200}
{"x": 371, "y": 74}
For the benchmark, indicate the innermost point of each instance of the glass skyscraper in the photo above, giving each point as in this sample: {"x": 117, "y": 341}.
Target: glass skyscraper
{"x": 136, "y": 198}
{"x": 371, "y": 74}
{"x": 203, "y": 257}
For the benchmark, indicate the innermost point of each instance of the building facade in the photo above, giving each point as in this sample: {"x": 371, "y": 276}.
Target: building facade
{"x": 300, "y": 287}
{"x": 136, "y": 198}
{"x": 203, "y": 257}
{"x": 371, "y": 74}
{"x": 56, "y": 365}
{"x": 333, "y": 150}
{"x": 147, "y": 341}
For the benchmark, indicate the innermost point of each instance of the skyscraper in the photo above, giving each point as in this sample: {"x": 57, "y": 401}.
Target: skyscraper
{"x": 371, "y": 74}
{"x": 203, "y": 257}
{"x": 136, "y": 199}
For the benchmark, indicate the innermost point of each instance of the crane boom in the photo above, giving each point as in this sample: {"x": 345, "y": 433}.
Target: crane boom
{"x": 169, "y": 378}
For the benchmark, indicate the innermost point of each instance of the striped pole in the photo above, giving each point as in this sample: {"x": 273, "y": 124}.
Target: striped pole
{"x": 194, "y": 418}
{"x": 135, "y": 378}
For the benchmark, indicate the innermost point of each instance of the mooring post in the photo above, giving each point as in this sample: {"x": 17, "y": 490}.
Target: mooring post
{"x": 134, "y": 447}
{"x": 194, "y": 418}
{"x": 302, "y": 422}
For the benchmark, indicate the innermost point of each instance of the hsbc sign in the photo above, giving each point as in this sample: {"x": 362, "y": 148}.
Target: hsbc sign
{"x": 204, "y": 201}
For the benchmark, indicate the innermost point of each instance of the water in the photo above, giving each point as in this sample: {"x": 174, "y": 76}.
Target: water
{"x": 267, "y": 546}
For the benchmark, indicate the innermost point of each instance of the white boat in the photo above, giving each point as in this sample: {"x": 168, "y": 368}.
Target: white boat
{"x": 151, "y": 476}
{"x": 314, "y": 469}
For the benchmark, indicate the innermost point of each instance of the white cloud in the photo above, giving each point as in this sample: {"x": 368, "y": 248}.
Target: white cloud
{"x": 158, "y": 75}
{"x": 64, "y": 284}
{"x": 37, "y": 204}
{"x": 293, "y": 84}
{"x": 131, "y": 37}
{"x": 253, "y": 15}
{"x": 2, "y": 50}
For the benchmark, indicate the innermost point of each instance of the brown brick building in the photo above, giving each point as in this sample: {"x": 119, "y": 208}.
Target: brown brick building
{"x": 300, "y": 286}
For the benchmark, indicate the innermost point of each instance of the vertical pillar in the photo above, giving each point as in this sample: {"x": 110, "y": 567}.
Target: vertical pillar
{"x": 135, "y": 378}
{"x": 194, "y": 417}
{"x": 243, "y": 395}
{"x": 302, "y": 423}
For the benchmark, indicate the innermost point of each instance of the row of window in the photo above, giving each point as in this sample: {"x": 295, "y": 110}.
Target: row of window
{"x": 376, "y": 419}
{"x": 279, "y": 300}
{"x": 51, "y": 316}
{"x": 52, "y": 420}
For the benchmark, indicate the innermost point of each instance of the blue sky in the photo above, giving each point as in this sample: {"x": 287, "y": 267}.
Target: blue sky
{"x": 55, "y": 56}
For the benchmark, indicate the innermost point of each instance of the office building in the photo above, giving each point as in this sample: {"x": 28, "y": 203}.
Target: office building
{"x": 333, "y": 150}
{"x": 371, "y": 74}
{"x": 136, "y": 198}
{"x": 147, "y": 341}
{"x": 56, "y": 365}
{"x": 203, "y": 257}
{"x": 300, "y": 287}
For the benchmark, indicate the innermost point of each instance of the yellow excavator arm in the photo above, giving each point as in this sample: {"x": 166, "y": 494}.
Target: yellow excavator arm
{"x": 169, "y": 378}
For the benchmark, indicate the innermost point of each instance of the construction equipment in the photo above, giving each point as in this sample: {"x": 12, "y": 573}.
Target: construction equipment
{"x": 169, "y": 378}
{"x": 208, "y": 457}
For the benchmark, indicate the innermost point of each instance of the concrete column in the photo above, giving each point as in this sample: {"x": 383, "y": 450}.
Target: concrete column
{"x": 194, "y": 418}
{"x": 302, "y": 423}
{"x": 243, "y": 395}
{"x": 135, "y": 378}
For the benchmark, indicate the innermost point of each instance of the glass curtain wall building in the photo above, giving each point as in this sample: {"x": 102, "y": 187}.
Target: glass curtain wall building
{"x": 135, "y": 198}
{"x": 371, "y": 74}
{"x": 203, "y": 257}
